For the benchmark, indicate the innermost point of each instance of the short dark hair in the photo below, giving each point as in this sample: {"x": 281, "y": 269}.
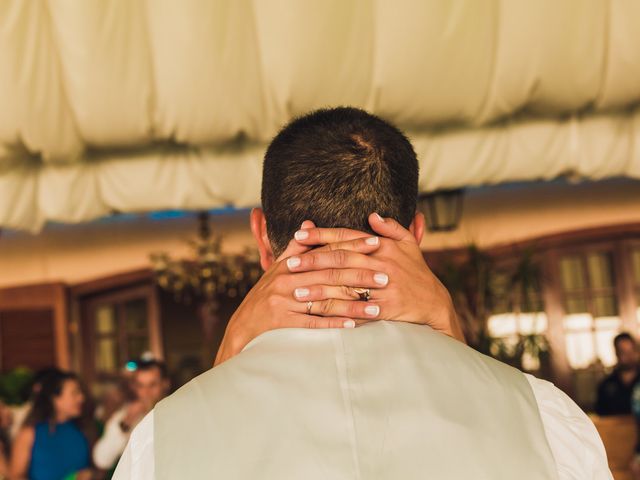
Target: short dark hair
{"x": 622, "y": 336}
{"x": 146, "y": 365}
{"x": 336, "y": 167}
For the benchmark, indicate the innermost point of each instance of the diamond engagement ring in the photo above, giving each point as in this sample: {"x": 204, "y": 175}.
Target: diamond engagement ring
{"x": 363, "y": 293}
{"x": 309, "y": 305}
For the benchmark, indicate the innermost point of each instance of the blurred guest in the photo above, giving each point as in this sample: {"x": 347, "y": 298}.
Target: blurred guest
{"x": 4, "y": 468}
{"x": 614, "y": 392}
{"x": 114, "y": 396}
{"x": 635, "y": 409}
{"x": 150, "y": 385}
{"x": 51, "y": 444}
{"x": 20, "y": 412}
{"x": 5, "y": 424}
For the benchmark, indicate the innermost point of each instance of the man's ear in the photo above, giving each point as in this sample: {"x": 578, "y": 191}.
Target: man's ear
{"x": 259, "y": 231}
{"x": 417, "y": 227}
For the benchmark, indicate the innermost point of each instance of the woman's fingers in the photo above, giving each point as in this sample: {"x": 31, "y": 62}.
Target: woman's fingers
{"x": 340, "y": 308}
{"x": 313, "y": 321}
{"x": 388, "y": 227}
{"x": 367, "y": 244}
{"x": 295, "y": 248}
{"x": 351, "y": 277}
{"x": 323, "y": 236}
{"x": 324, "y": 292}
{"x": 307, "y": 224}
{"x": 320, "y": 260}
{"x": 361, "y": 245}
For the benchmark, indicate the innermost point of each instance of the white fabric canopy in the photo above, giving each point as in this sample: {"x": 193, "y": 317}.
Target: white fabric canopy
{"x": 127, "y": 105}
{"x": 596, "y": 147}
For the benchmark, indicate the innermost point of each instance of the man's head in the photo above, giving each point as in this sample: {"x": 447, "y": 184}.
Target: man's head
{"x": 626, "y": 351}
{"x": 334, "y": 167}
{"x": 150, "y": 382}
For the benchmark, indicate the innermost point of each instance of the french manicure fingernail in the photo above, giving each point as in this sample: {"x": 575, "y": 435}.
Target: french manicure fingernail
{"x": 301, "y": 292}
{"x": 349, "y": 324}
{"x": 379, "y": 217}
{"x": 301, "y": 235}
{"x": 381, "y": 278}
{"x": 293, "y": 262}
{"x": 372, "y": 241}
{"x": 372, "y": 310}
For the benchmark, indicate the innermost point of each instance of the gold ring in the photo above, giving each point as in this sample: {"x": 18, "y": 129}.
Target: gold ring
{"x": 363, "y": 293}
{"x": 309, "y": 305}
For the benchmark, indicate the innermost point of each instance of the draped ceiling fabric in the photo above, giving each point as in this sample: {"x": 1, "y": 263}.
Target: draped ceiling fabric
{"x": 127, "y": 105}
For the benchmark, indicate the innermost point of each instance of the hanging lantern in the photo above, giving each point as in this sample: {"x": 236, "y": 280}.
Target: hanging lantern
{"x": 442, "y": 209}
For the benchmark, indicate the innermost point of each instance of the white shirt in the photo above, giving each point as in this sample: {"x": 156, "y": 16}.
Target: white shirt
{"x": 110, "y": 446}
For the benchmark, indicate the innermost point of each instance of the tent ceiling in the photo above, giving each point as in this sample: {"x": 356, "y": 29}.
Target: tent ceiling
{"x": 78, "y": 78}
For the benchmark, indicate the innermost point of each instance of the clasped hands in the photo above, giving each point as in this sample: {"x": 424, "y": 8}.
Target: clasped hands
{"x": 324, "y": 266}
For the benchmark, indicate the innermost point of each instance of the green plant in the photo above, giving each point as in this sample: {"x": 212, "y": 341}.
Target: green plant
{"x": 14, "y": 384}
{"x": 481, "y": 288}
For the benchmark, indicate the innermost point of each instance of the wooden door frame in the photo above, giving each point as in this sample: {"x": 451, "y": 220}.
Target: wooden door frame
{"x": 116, "y": 288}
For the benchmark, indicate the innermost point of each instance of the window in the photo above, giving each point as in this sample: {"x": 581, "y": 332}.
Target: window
{"x": 518, "y": 312}
{"x": 591, "y": 318}
{"x": 106, "y": 338}
{"x": 585, "y": 291}
{"x": 117, "y": 328}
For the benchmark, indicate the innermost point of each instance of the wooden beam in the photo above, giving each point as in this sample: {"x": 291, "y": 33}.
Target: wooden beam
{"x": 557, "y": 240}
{"x": 119, "y": 280}
{"x": 61, "y": 330}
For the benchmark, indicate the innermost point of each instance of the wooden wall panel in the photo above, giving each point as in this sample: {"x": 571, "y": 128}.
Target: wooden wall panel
{"x": 27, "y": 339}
{"x": 50, "y": 297}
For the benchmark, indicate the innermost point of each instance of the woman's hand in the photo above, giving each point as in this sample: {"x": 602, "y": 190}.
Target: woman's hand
{"x": 414, "y": 294}
{"x": 405, "y": 290}
{"x": 278, "y": 299}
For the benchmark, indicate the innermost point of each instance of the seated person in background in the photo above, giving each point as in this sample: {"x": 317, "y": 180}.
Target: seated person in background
{"x": 112, "y": 398}
{"x": 5, "y": 425}
{"x": 4, "y": 465}
{"x": 614, "y": 392}
{"x": 387, "y": 400}
{"x": 52, "y": 443}
{"x": 150, "y": 384}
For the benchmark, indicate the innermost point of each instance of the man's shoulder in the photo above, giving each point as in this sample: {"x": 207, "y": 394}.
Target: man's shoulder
{"x": 286, "y": 356}
{"x": 427, "y": 345}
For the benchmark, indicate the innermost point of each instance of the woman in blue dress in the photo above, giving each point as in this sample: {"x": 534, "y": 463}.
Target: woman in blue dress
{"x": 51, "y": 444}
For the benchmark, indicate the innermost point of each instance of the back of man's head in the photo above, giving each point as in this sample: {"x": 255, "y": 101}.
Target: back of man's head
{"x": 335, "y": 167}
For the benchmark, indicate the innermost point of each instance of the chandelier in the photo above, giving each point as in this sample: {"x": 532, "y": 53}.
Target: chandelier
{"x": 210, "y": 273}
